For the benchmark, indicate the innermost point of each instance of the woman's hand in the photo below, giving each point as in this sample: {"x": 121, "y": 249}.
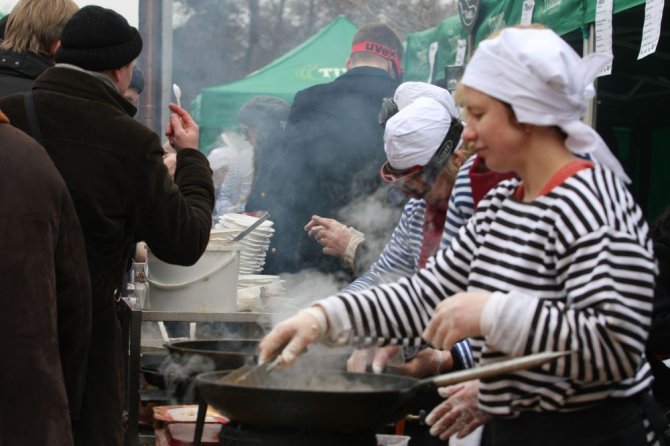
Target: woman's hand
{"x": 291, "y": 337}
{"x": 459, "y": 414}
{"x": 456, "y": 318}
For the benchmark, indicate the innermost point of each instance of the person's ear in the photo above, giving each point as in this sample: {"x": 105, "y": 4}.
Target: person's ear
{"x": 458, "y": 158}
{"x": 348, "y": 64}
{"x": 54, "y": 47}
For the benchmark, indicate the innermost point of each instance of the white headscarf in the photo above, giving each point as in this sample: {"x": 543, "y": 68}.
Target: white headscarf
{"x": 413, "y": 135}
{"x": 408, "y": 92}
{"x": 546, "y": 83}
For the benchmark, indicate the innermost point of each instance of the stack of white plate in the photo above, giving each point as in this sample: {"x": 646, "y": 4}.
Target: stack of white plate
{"x": 254, "y": 245}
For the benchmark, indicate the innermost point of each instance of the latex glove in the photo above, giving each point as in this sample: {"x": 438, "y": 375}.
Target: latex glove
{"x": 459, "y": 414}
{"x": 379, "y": 357}
{"x": 182, "y": 131}
{"x": 291, "y": 337}
{"x": 427, "y": 362}
{"x": 337, "y": 239}
{"x": 456, "y": 318}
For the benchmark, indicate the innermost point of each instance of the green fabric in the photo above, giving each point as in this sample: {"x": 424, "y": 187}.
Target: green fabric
{"x": 318, "y": 60}
{"x": 563, "y": 16}
{"x": 417, "y": 49}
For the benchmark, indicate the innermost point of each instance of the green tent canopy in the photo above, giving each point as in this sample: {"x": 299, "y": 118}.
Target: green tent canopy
{"x": 319, "y": 59}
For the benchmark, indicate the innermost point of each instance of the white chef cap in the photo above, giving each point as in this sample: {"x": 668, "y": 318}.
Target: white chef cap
{"x": 545, "y": 82}
{"x": 413, "y": 135}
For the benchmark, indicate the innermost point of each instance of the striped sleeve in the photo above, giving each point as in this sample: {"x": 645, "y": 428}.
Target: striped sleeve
{"x": 400, "y": 255}
{"x": 398, "y": 313}
{"x": 461, "y": 205}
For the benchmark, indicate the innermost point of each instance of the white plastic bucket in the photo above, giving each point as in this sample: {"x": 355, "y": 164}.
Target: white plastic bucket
{"x": 209, "y": 286}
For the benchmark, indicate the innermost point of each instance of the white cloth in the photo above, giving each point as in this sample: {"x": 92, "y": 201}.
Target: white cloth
{"x": 221, "y": 157}
{"x": 412, "y": 135}
{"x": 546, "y": 82}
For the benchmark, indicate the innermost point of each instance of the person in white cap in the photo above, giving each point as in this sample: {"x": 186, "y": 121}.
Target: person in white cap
{"x": 557, "y": 259}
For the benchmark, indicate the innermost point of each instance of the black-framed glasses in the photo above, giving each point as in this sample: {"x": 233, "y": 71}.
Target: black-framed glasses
{"x": 436, "y": 163}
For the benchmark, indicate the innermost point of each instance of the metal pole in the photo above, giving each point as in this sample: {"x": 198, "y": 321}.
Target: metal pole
{"x": 155, "y": 26}
{"x": 588, "y": 47}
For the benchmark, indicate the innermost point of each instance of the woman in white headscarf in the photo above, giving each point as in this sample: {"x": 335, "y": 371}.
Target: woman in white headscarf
{"x": 558, "y": 259}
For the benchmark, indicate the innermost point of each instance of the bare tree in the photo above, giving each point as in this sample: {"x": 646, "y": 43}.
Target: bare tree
{"x": 221, "y": 41}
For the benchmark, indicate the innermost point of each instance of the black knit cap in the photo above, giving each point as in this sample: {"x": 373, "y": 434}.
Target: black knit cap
{"x": 98, "y": 39}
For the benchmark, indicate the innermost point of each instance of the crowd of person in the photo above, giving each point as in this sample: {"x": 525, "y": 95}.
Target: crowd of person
{"x": 518, "y": 234}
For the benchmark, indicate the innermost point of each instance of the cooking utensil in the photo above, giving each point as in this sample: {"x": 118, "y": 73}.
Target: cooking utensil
{"x": 177, "y": 94}
{"x": 333, "y": 399}
{"x": 251, "y": 227}
{"x": 255, "y": 376}
{"x": 214, "y": 354}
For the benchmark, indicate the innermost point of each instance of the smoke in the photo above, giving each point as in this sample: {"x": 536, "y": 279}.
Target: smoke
{"x": 375, "y": 216}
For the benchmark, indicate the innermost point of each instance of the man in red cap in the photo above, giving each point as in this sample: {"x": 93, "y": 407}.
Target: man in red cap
{"x": 333, "y": 147}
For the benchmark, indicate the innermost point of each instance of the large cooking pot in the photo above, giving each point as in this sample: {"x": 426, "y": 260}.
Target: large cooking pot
{"x": 331, "y": 399}
{"x": 215, "y": 354}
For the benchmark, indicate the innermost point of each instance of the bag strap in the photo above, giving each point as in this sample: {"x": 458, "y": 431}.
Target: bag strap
{"x": 93, "y": 254}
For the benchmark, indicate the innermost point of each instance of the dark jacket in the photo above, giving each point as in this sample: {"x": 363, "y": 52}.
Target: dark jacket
{"x": 45, "y": 305}
{"x": 332, "y": 151}
{"x": 113, "y": 167}
{"x": 18, "y": 71}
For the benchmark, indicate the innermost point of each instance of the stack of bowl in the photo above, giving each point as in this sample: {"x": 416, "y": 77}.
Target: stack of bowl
{"x": 254, "y": 245}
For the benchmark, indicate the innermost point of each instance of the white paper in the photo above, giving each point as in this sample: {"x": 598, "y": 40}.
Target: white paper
{"x": 651, "y": 32}
{"x": 604, "y": 31}
{"x": 432, "y": 53}
{"x": 527, "y": 12}
{"x": 461, "y": 47}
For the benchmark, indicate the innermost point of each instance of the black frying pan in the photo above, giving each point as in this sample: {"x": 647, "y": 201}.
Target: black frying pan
{"x": 215, "y": 354}
{"x": 332, "y": 399}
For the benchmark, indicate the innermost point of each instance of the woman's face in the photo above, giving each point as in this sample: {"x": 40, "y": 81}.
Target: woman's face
{"x": 490, "y": 129}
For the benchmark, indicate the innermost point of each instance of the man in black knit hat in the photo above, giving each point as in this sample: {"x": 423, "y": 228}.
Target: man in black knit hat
{"x": 113, "y": 167}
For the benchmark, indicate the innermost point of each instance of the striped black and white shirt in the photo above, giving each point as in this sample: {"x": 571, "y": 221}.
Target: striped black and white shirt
{"x": 400, "y": 258}
{"x": 571, "y": 270}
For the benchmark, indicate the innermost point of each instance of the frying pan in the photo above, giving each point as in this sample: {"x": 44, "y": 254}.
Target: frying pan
{"x": 333, "y": 399}
{"x": 214, "y": 354}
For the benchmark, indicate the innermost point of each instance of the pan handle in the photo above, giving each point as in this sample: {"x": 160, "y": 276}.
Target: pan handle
{"x": 487, "y": 371}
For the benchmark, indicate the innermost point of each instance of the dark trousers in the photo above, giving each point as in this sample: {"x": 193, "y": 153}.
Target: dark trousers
{"x": 616, "y": 422}
{"x": 100, "y": 422}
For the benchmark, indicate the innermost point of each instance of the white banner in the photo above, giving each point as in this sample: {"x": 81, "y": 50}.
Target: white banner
{"x": 527, "y": 12}
{"x": 651, "y": 32}
{"x": 604, "y": 31}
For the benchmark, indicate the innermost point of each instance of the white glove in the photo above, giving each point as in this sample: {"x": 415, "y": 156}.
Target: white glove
{"x": 291, "y": 337}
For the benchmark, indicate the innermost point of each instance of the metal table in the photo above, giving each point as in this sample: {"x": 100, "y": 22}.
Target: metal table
{"x": 131, "y": 321}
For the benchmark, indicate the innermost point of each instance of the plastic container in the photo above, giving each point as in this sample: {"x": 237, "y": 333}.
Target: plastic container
{"x": 209, "y": 286}
{"x": 392, "y": 440}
